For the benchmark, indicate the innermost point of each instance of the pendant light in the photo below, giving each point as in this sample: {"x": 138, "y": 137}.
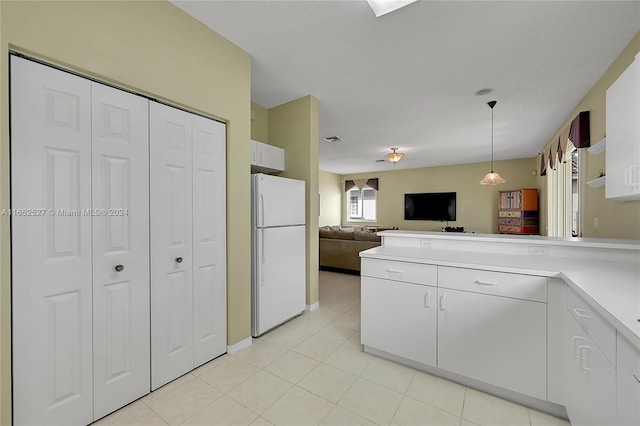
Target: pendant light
{"x": 394, "y": 156}
{"x": 492, "y": 178}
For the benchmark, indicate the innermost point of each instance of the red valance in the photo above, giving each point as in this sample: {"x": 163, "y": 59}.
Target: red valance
{"x": 579, "y": 133}
{"x": 371, "y": 183}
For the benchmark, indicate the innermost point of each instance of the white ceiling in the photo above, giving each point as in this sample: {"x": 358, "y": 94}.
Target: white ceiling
{"x": 407, "y": 79}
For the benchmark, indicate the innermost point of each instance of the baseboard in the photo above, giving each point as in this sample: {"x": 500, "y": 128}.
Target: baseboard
{"x": 312, "y": 307}
{"x": 244, "y": 343}
{"x": 528, "y": 401}
{"x": 339, "y": 270}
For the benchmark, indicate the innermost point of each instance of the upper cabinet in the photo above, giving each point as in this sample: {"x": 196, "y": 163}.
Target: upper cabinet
{"x": 266, "y": 158}
{"x": 623, "y": 135}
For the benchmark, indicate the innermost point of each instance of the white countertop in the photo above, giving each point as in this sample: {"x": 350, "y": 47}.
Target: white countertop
{"x": 611, "y": 287}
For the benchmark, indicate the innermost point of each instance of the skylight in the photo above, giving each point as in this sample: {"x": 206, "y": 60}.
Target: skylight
{"x": 382, "y": 7}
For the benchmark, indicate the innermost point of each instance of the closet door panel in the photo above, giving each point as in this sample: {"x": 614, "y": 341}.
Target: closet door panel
{"x": 51, "y": 245}
{"x": 120, "y": 213}
{"x": 171, "y": 244}
{"x": 209, "y": 239}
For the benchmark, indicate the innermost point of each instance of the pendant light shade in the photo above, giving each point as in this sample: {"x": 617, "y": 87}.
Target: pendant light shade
{"x": 492, "y": 178}
{"x": 394, "y": 156}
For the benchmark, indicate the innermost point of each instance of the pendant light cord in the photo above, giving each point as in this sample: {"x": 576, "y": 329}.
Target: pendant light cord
{"x": 491, "y": 105}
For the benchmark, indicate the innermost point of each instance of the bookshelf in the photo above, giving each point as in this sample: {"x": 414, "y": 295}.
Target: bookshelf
{"x": 518, "y": 211}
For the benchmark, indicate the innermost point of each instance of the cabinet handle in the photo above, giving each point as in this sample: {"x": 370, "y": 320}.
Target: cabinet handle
{"x": 393, "y": 271}
{"x": 574, "y": 339}
{"x": 636, "y": 377}
{"x": 427, "y": 300}
{"x": 580, "y": 313}
{"x": 443, "y": 304}
{"x": 580, "y": 349}
{"x": 119, "y": 268}
{"x": 179, "y": 259}
{"x": 479, "y": 282}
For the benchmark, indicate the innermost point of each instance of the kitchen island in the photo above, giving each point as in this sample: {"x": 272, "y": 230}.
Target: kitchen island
{"x": 547, "y": 322}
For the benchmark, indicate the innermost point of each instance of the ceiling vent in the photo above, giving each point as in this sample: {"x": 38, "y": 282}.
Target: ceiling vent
{"x": 333, "y": 139}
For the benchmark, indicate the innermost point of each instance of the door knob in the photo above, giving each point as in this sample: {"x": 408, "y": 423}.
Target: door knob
{"x": 119, "y": 268}
{"x": 179, "y": 259}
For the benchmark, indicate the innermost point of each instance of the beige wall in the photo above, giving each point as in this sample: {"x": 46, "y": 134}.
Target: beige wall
{"x": 155, "y": 49}
{"x": 294, "y": 126}
{"x": 477, "y": 205}
{"x": 330, "y": 190}
{"x": 616, "y": 219}
{"x": 259, "y": 123}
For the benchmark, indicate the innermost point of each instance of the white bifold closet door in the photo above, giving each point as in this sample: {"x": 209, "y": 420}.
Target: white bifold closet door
{"x": 79, "y": 187}
{"x": 120, "y": 202}
{"x": 188, "y": 242}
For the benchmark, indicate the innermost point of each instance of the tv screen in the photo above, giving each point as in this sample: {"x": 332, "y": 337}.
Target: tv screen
{"x": 439, "y": 206}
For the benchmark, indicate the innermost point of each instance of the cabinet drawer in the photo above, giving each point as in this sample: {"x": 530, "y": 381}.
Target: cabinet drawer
{"x": 509, "y": 221}
{"x": 602, "y": 333}
{"x": 527, "y": 287}
{"x": 416, "y": 273}
{"x": 509, "y": 229}
{"x": 628, "y": 382}
{"x": 509, "y": 213}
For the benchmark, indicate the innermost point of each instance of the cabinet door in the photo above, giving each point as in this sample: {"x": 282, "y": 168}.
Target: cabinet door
{"x": 498, "y": 340}
{"x": 120, "y": 216}
{"x": 209, "y": 239}
{"x": 628, "y": 382}
{"x": 399, "y": 318}
{"x": 590, "y": 379}
{"x": 270, "y": 156}
{"x": 623, "y": 135}
{"x": 51, "y": 245}
{"x": 171, "y": 243}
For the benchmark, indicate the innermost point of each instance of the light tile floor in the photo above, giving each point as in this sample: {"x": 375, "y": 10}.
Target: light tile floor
{"x": 312, "y": 371}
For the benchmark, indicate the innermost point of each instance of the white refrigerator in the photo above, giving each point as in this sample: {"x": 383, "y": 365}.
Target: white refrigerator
{"x": 278, "y": 251}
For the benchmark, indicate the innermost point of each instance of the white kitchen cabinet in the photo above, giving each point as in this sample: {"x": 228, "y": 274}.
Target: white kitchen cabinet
{"x": 266, "y": 158}
{"x": 628, "y": 383}
{"x": 623, "y": 135}
{"x": 399, "y": 318}
{"x": 590, "y": 378}
{"x": 497, "y": 340}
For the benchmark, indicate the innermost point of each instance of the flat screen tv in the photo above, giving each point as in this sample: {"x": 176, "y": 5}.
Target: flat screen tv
{"x": 439, "y": 206}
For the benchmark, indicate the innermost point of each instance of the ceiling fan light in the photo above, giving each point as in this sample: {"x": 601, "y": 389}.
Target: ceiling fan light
{"x": 394, "y": 156}
{"x": 492, "y": 178}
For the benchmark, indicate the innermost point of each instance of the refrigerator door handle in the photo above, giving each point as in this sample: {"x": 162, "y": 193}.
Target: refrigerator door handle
{"x": 263, "y": 256}
{"x": 261, "y": 210}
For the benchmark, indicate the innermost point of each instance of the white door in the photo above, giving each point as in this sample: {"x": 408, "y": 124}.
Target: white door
{"x": 51, "y": 246}
{"x": 120, "y": 213}
{"x": 209, "y": 239}
{"x": 279, "y": 283}
{"x": 171, "y": 243}
{"x": 494, "y": 339}
{"x": 400, "y": 318}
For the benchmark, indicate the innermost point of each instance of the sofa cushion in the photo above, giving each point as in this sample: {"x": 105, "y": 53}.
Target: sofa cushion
{"x": 366, "y": 236}
{"x": 336, "y": 235}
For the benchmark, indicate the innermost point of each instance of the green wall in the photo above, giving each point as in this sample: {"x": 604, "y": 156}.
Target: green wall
{"x": 259, "y": 123}
{"x": 153, "y": 48}
{"x": 616, "y": 219}
{"x": 477, "y": 205}
{"x": 294, "y": 126}
{"x": 330, "y": 190}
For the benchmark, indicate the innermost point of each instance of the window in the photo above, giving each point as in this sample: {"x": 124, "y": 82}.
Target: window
{"x": 361, "y": 204}
{"x": 562, "y": 192}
